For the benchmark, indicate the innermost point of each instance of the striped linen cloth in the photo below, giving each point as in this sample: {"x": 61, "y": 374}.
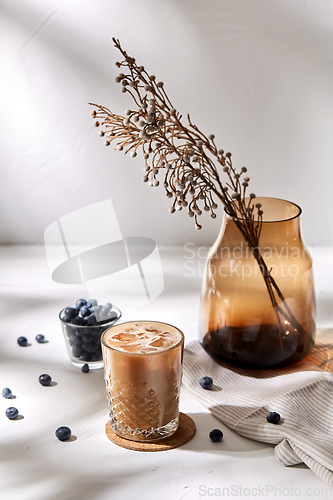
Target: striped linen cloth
{"x": 302, "y": 395}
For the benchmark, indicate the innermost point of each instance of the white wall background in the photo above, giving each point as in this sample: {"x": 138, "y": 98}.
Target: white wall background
{"x": 256, "y": 73}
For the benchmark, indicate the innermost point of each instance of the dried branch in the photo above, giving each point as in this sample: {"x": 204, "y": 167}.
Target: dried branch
{"x": 182, "y": 154}
{"x": 189, "y": 161}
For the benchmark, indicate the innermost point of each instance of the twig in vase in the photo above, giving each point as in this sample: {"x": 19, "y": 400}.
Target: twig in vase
{"x": 189, "y": 162}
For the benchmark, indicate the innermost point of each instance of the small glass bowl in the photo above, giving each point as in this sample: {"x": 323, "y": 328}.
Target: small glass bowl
{"x": 83, "y": 342}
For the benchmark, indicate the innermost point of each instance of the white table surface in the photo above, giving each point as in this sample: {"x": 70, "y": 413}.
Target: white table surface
{"x": 35, "y": 465}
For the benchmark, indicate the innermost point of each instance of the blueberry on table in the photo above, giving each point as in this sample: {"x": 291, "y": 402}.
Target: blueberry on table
{"x": 80, "y": 303}
{"x": 272, "y": 417}
{"x": 77, "y": 320}
{"x": 63, "y": 433}
{"x": 44, "y": 379}
{"x": 11, "y": 412}
{"x": 70, "y": 313}
{"x": 22, "y": 341}
{"x": 85, "y": 368}
{"x": 6, "y": 392}
{"x": 92, "y": 303}
{"x": 206, "y": 383}
{"x": 216, "y": 435}
{"x": 40, "y": 338}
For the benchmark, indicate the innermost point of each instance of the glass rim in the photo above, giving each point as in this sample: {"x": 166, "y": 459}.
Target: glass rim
{"x": 268, "y": 221}
{"x": 180, "y": 342}
{"x": 106, "y": 325}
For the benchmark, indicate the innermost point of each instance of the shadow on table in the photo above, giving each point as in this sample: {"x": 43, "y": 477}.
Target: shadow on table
{"x": 231, "y": 444}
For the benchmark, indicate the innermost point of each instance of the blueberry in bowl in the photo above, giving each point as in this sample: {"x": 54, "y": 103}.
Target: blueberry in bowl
{"x": 83, "y": 324}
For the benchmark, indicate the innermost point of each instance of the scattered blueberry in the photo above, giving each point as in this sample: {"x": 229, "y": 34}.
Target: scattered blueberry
{"x": 92, "y": 303}
{"x": 6, "y": 393}
{"x": 80, "y": 303}
{"x": 22, "y": 341}
{"x": 40, "y": 338}
{"x": 206, "y": 383}
{"x": 77, "y": 320}
{"x": 44, "y": 379}
{"x": 11, "y": 412}
{"x": 63, "y": 433}
{"x": 272, "y": 417}
{"x": 85, "y": 368}
{"x": 70, "y": 313}
{"x": 216, "y": 435}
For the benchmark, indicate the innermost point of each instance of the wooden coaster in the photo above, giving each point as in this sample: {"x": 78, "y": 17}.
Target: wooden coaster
{"x": 183, "y": 434}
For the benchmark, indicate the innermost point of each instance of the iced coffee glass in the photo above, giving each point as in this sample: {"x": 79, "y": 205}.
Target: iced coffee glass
{"x": 142, "y": 371}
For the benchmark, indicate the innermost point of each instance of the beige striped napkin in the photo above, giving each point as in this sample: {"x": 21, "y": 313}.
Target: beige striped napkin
{"x": 302, "y": 395}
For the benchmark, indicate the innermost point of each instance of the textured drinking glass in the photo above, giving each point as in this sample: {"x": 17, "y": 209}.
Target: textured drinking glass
{"x": 142, "y": 371}
{"x": 239, "y": 324}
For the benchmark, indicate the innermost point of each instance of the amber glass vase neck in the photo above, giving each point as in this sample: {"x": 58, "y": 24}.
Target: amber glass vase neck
{"x": 281, "y": 224}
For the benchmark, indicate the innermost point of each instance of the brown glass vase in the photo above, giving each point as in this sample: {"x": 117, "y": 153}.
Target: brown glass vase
{"x": 258, "y": 303}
